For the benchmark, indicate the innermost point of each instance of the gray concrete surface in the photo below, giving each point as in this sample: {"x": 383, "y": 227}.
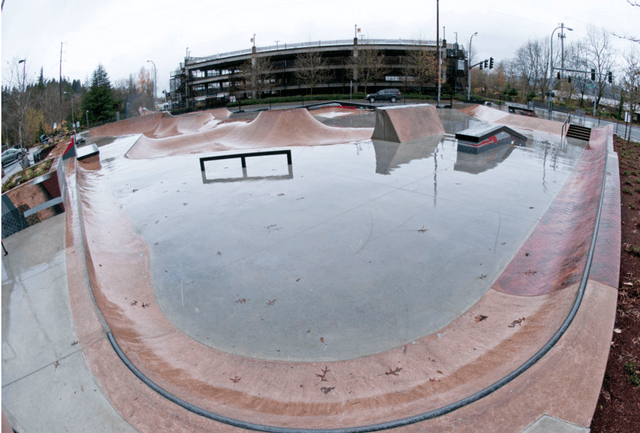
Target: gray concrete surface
{"x": 549, "y": 424}
{"x": 395, "y": 256}
{"x": 46, "y": 386}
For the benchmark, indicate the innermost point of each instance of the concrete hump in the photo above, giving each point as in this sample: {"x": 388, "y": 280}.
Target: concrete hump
{"x": 407, "y": 122}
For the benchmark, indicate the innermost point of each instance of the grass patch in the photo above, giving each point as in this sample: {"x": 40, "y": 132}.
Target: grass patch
{"x": 631, "y": 368}
{"x": 28, "y": 174}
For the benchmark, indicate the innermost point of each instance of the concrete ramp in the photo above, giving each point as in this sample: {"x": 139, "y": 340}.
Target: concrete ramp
{"x": 488, "y": 114}
{"x": 276, "y": 128}
{"x": 162, "y": 125}
{"x": 405, "y": 123}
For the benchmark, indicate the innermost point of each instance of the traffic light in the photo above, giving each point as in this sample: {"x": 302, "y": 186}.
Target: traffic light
{"x": 558, "y": 75}
{"x": 481, "y": 65}
{"x": 490, "y": 62}
{"x": 593, "y": 74}
{"x": 569, "y": 79}
{"x": 486, "y": 64}
{"x": 610, "y": 77}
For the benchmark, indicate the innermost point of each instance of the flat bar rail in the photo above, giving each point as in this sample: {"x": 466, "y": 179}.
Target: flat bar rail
{"x": 243, "y": 157}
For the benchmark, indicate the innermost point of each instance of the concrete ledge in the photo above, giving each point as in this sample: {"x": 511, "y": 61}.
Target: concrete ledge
{"x": 87, "y": 151}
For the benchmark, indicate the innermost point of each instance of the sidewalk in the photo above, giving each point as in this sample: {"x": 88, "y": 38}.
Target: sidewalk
{"x": 46, "y": 386}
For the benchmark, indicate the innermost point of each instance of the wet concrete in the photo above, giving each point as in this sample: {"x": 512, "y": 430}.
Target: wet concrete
{"x": 46, "y": 385}
{"x": 343, "y": 260}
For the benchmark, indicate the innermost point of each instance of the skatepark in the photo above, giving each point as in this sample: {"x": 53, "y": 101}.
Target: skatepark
{"x": 289, "y": 271}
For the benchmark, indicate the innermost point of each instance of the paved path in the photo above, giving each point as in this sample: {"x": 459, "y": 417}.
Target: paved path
{"x": 46, "y": 386}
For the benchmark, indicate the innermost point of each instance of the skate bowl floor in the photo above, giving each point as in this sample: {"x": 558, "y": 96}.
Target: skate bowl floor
{"x": 368, "y": 283}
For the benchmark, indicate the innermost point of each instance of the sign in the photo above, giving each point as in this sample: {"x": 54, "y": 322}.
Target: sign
{"x": 627, "y": 117}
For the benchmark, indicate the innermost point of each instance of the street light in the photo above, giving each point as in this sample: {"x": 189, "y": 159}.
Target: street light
{"x": 22, "y": 114}
{"x": 24, "y": 73}
{"x": 561, "y": 26}
{"x": 155, "y": 81}
{"x": 469, "y": 67}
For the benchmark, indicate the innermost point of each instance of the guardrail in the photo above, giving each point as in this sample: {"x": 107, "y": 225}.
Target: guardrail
{"x": 320, "y": 43}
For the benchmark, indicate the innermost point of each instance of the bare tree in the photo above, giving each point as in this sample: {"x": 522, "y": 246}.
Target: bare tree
{"x": 574, "y": 58}
{"x": 257, "y": 75}
{"x": 631, "y": 38}
{"x": 144, "y": 87}
{"x": 422, "y": 67}
{"x": 18, "y": 92}
{"x": 368, "y": 65}
{"x": 600, "y": 56}
{"x": 311, "y": 70}
{"x": 532, "y": 60}
{"x": 631, "y": 80}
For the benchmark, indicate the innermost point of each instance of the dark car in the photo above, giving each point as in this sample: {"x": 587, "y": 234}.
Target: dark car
{"x": 385, "y": 95}
{"x": 11, "y": 155}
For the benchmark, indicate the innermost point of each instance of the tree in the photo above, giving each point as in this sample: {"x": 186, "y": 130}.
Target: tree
{"x": 99, "y": 100}
{"x": 600, "y": 56}
{"x": 311, "y": 70}
{"x": 631, "y": 80}
{"x": 257, "y": 75}
{"x": 574, "y": 58}
{"x": 17, "y": 96}
{"x": 422, "y": 67}
{"x": 368, "y": 65}
{"x": 532, "y": 60}
{"x": 631, "y": 38}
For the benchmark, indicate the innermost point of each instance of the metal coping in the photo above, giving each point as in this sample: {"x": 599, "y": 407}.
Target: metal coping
{"x": 400, "y": 422}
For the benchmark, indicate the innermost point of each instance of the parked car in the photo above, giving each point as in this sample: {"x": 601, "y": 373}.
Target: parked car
{"x": 385, "y": 95}
{"x": 11, "y": 155}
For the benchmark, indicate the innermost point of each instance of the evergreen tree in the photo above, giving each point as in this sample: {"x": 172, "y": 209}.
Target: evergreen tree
{"x": 99, "y": 100}
{"x": 41, "y": 81}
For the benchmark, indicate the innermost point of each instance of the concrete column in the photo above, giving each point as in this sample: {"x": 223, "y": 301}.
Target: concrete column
{"x": 355, "y": 68}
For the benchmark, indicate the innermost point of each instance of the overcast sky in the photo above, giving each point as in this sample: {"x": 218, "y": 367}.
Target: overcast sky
{"x": 123, "y": 34}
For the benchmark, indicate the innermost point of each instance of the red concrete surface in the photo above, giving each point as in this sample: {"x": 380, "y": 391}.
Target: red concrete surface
{"x": 495, "y": 336}
{"x": 491, "y": 115}
{"x": 406, "y": 123}
{"x": 554, "y": 255}
{"x": 161, "y": 124}
{"x": 276, "y": 128}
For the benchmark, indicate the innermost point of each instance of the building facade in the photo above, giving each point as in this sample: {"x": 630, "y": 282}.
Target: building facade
{"x": 339, "y": 67}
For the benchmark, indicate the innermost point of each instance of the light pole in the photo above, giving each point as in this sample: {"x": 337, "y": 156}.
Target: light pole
{"x": 22, "y": 101}
{"x": 438, "y": 45}
{"x": 469, "y": 67}
{"x": 73, "y": 116}
{"x": 561, "y": 26}
{"x": 87, "y": 113}
{"x": 155, "y": 82}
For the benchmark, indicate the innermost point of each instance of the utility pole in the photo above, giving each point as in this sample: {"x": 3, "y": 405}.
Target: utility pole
{"x": 562, "y": 36}
{"x": 550, "y": 98}
{"x": 60, "y": 82}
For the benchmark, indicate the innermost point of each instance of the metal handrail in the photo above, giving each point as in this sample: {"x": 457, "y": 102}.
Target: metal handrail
{"x": 566, "y": 124}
